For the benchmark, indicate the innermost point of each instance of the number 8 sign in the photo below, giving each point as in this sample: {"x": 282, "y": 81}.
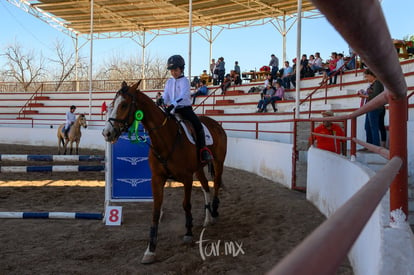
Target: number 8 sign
{"x": 113, "y": 215}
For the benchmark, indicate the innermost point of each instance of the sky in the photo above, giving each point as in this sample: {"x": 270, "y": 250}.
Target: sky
{"x": 251, "y": 46}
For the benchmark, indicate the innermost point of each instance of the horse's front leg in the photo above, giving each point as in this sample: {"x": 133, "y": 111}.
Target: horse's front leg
{"x": 71, "y": 147}
{"x": 157, "y": 194}
{"x": 77, "y": 147}
{"x": 188, "y": 237}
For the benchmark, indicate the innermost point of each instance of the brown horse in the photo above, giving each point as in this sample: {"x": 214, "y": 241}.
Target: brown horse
{"x": 74, "y": 135}
{"x": 171, "y": 156}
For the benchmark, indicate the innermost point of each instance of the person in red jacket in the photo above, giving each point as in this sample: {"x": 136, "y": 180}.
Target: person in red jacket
{"x": 328, "y": 128}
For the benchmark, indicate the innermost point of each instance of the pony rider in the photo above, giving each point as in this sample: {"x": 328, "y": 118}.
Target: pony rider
{"x": 70, "y": 119}
{"x": 177, "y": 96}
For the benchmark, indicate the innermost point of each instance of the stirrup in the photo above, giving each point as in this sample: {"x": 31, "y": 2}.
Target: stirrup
{"x": 205, "y": 155}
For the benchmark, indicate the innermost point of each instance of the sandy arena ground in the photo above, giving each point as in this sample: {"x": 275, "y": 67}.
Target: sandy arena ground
{"x": 264, "y": 218}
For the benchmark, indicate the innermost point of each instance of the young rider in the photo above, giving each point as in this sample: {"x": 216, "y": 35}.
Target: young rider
{"x": 177, "y": 96}
{"x": 70, "y": 119}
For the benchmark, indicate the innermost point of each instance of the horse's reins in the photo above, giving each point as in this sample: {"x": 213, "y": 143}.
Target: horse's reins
{"x": 126, "y": 125}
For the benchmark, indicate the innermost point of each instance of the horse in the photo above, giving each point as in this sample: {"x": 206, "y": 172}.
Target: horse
{"x": 171, "y": 156}
{"x": 74, "y": 134}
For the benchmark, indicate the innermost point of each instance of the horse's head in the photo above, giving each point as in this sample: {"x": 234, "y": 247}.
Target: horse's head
{"x": 82, "y": 121}
{"x": 121, "y": 112}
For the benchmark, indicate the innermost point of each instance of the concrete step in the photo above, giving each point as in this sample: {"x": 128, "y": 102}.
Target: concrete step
{"x": 224, "y": 101}
{"x": 35, "y": 104}
{"x": 30, "y": 112}
{"x": 41, "y": 97}
{"x": 214, "y": 112}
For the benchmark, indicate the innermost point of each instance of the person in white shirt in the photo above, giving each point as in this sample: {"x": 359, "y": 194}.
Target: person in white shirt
{"x": 177, "y": 96}
{"x": 70, "y": 119}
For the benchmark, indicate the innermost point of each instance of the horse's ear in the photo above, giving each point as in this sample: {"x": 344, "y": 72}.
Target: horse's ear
{"x": 136, "y": 85}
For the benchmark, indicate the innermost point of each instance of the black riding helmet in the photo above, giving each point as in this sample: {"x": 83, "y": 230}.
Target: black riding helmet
{"x": 175, "y": 61}
{"x": 73, "y": 107}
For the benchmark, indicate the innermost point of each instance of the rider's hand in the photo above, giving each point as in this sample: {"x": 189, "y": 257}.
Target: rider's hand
{"x": 169, "y": 108}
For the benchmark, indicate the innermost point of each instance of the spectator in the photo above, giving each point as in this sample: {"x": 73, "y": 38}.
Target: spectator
{"x": 287, "y": 72}
{"x": 305, "y": 70}
{"x": 274, "y": 65}
{"x": 159, "y": 101}
{"x": 374, "y": 120}
{"x": 352, "y": 61}
{"x": 202, "y": 90}
{"x": 237, "y": 74}
{"x": 104, "y": 109}
{"x": 328, "y": 128}
{"x": 212, "y": 66}
{"x": 279, "y": 94}
{"x": 331, "y": 67}
{"x": 293, "y": 75}
{"x": 221, "y": 70}
{"x": 269, "y": 91}
{"x": 204, "y": 76}
{"x": 226, "y": 84}
{"x": 317, "y": 64}
{"x": 339, "y": 67}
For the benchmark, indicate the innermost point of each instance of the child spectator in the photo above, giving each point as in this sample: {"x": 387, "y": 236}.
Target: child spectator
{"x": 226, "y": 84}
{"x": 202, "y": 90}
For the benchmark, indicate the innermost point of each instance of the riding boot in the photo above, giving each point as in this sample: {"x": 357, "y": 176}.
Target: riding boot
{"x": 66, "y": 133}
{"x": 205, "y": 153}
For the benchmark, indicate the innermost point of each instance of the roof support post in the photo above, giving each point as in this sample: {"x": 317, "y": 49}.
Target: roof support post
{"x": 298, "y": 50}
{"x": 190, "y": 37}
{"x": 90, "y": 63}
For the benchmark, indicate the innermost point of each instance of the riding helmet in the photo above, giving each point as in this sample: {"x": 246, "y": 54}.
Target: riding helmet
{"x": 175, "y": 61}
{"x": 73, "y": 107}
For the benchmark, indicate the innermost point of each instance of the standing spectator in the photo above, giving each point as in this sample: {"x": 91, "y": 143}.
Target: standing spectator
{"x": 202, "y": 90}
{"x": 104, "y": 109}
{"x": 221, "y": 70}
{"x": 212, "y": 66}
{"x": 293, "y": 75}
{"x": 374, "y": 120}
{"x": 237, "y": 74}
{"x": 352, "y": 61}
{"x": 287, "y": 72}
{"x": 274, "y": 65}
{"x": 328, "y": 128}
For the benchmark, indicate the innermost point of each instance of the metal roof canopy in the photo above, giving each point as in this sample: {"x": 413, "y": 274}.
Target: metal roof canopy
{"x": 166, "y": 16}
{"x": 96, "y": 19}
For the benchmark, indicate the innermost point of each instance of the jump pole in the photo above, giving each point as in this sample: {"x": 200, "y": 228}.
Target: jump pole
{"x": 51, "y": 158}
{"x": 52, "y": 168}
{"x": 50, "y": 215}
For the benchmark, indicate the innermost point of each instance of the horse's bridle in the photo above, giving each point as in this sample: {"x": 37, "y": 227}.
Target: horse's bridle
{"x": 124, "y": 124}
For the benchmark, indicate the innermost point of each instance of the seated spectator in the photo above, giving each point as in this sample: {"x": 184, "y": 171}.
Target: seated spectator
{"x": 305, "y": 70}
{"x": 202, "y": 90}
{"x": 331, "y": 67}
{"x": 328, "y": 128}
{"x": 226, "y": 84}
{"x": 339, "y": 67}
{"x": 287, "y": 72}
{"x": 269, "y": 81}
{"x": 317, "y": 64}
{"x": 195, "y": 81}
{"x": 279, "y": 95}
{"x": 204, "y": 76}
{"x": 269, "y": 92}
{"x": 235, "y": 76}
{"x": 159, "y": 100}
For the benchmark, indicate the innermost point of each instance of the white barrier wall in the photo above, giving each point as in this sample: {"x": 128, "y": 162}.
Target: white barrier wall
{"x": 332, "y": 179}
{"x": 271, "y": 160}
{"x": 91, "y": 139}
{"x": 380, "y": 249}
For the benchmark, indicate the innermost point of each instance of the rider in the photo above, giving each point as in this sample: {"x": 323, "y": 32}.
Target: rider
{"x": 70, "y": 119}
{"x": 177, "y": 96}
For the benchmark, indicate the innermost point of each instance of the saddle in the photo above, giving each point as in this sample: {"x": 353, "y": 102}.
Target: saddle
{"x": 190, "y": 132}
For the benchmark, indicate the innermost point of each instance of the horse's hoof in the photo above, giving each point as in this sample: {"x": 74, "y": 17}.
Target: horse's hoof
{"x": 148, "y": 258}
{"x": 188, "y": 239}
